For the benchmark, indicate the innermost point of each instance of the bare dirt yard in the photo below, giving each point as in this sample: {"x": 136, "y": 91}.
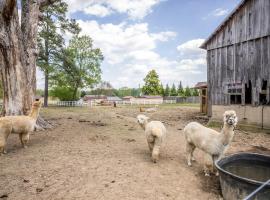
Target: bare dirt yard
{"x": 101, "y": 153}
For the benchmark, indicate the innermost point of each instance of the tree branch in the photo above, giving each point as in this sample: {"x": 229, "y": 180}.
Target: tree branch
{"x": 43, "y": 3}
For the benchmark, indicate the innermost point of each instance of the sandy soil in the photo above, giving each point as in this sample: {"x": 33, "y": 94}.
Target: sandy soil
{"x": 101, "y": 153}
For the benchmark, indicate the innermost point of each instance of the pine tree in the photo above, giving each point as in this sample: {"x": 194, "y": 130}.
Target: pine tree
{"x": 151, "y": 83}
{"x": 180, "y": 90}
{"x": 162, "y": 91}
{"x": 167, "y": 91}
{"x": 187, "y": 92}
{"x": 173, "y": 91}
{"x": 50, "y": 41}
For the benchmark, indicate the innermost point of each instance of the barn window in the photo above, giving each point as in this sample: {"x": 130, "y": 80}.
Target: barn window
{"x": 248, "y": 93}
{"x": 235, "y": 92}
{"x": 235, "y": 99}
{"x": 263, "y": 99}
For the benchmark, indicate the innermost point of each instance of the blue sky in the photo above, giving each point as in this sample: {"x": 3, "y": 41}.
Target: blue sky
{"x": 136, "y": 36}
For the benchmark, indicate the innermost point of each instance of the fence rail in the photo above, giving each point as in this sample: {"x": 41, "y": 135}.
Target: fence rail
{"x": 136, "y": 102}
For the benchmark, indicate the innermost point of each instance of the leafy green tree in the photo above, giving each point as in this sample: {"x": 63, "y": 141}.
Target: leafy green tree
{"x": 188, "y": 92}
{"x": 162, "y": 91}
{"x": 83, "y": 93}
{"x": 64, "y": 93}
{"x": 180, "y": 90}
{"x": 50, "y": 38}
{"x": 195, "y": 92}
{"x": 151, "y": 83}
{"x": 81, "y": 65}
{"x": 167, "y": 91}
{"x": 173, "y": 91}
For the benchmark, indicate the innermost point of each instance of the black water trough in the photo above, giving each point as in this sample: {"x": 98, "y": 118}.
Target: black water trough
{"x": 242, "y": 173}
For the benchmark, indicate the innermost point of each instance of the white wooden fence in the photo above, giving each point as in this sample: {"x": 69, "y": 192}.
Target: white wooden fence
{"x": 92, "y": 103}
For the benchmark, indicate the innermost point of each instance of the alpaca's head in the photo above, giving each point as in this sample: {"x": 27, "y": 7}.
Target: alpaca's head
{"x": 142, "y": 119}
{"x": 230, "y": 118}
{"x": 37, "y": 104}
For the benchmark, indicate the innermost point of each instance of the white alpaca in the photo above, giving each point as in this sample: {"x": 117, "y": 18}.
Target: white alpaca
{"x": 155, "y": 134}
{"x": 213, "y": 143}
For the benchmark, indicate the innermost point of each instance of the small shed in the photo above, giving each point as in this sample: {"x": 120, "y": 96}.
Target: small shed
{"x": 202, "y": 87}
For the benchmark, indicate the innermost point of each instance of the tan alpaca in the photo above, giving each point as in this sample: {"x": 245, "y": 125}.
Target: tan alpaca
{"x": 21, "y": 125}
{"x": 155, "y": 134}
{"x": 213, "y": 143}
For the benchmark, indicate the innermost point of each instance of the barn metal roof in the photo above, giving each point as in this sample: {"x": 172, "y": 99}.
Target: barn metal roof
{"x": 203, "y": 46}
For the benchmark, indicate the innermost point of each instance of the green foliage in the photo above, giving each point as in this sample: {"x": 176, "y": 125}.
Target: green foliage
{"x": 151, "y": 84}
{"x": 167, "y": 91}
{"x": 83, "y": 93}
{"x": 40, "y": 92}
{"x": 195, "y": 92}
{"x": 180, "y": 90}
{"x": 80, "y": 65}
{"x": 64, "y": 93}
{"x": 173, "y": 91}
{"x": 162, "y": 91}
{"x": 188, "y": 92}
{"x": 51, "y": 28}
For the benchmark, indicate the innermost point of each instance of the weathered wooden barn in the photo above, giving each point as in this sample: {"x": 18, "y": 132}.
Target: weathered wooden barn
{"x": 238, "y": 64}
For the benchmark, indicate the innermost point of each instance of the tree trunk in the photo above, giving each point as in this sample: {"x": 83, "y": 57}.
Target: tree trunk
{"x": 75, "y": 93}
{"x": 11, "y": 59}
{"x": 46, "y": 88}
{"x": 18, "y": 53}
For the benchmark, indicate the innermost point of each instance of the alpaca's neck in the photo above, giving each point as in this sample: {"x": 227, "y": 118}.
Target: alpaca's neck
{"x": 227, "y": 134}
{"x": 34, "y": 113}
{"x": 144, "y": 125}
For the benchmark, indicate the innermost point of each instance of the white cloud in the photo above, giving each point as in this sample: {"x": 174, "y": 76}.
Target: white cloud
{"x": 135, "y": 9}
{"x": 220, "y": 12}
{"x": 130, "y": 51}
{"x": 98, "y": 10}
{"x": 122, "y": 42}
{"x": 191, "y": 48}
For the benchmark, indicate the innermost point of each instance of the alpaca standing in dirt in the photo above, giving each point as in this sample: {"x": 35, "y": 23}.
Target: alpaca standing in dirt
{"x": 155, "y": 134}
{"x": 21, "y": 125}
{"x": 213, "y": 143}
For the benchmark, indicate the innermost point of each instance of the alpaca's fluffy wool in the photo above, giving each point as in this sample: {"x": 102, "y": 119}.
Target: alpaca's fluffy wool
{"x": 155, "y": 134}
{"x": 209, "y": 140}
{"x": 21, "y": 125}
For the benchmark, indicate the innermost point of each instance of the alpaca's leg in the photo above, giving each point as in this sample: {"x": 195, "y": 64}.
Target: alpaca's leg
{"x": 151, "y": 146}
{"x": 24, "y": 137}
{"x": 156, "y": 149}
{"x": 3, "y": 139}
{"x": 189, "y": 150}
{"x": 208, "y": 164}
{"x": 214, "y": 159}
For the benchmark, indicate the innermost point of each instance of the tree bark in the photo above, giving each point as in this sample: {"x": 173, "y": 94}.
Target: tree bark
{"x": 18, "y": 53}
{"x": 46, "y": 88}
{"x": 11, "y": 59}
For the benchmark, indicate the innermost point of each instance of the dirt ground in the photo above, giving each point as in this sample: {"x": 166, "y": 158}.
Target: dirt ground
{"x": 101, "y": 153}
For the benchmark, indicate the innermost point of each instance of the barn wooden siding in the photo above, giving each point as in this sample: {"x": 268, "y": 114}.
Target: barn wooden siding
{"x": 239, "y": 52}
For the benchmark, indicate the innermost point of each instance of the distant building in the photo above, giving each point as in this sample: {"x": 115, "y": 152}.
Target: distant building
{"x": 238, "y": 64}
{"x": 94, "y": 97}
{"x": 113, "y": 99}
{"x": 128, "y": 98}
